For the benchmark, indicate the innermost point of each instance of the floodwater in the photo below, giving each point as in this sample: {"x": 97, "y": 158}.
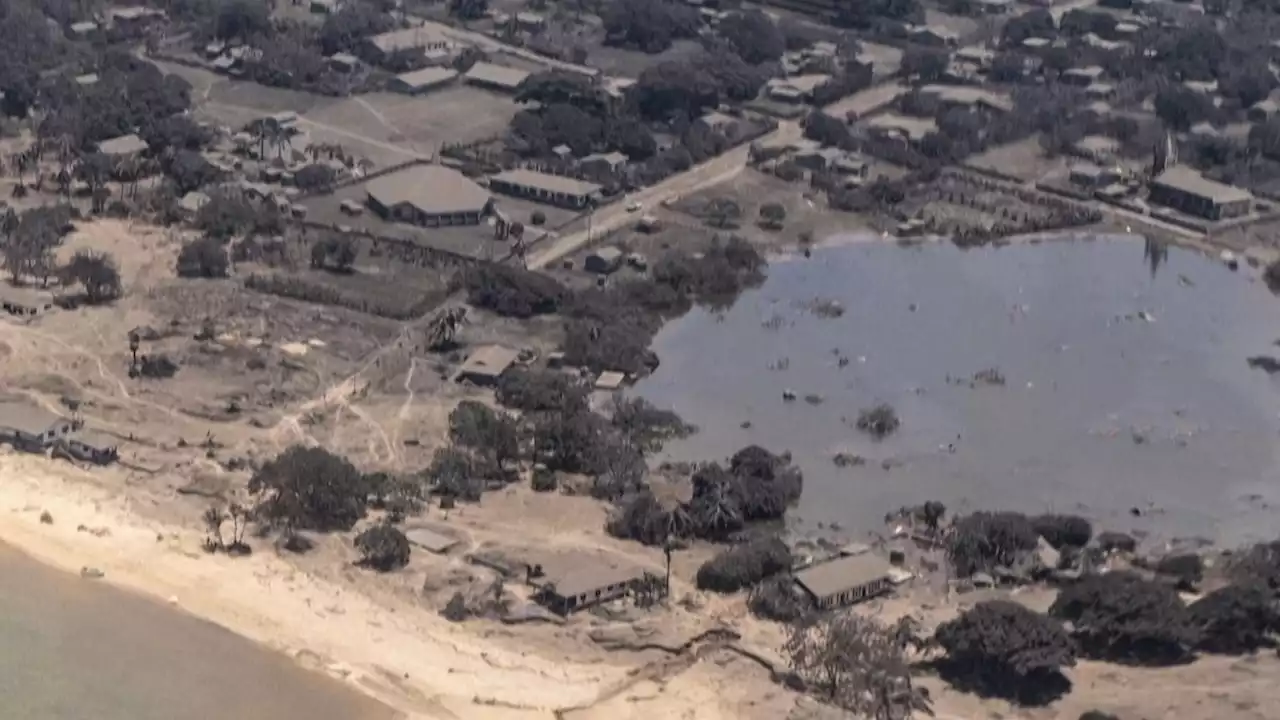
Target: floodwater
{"x": 1125, "y": 386}
{"x": 78, "y": 649}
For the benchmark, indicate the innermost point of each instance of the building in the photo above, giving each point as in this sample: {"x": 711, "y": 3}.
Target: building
{"x": 846, "y": 580}
{"x": 719, "y": 123}
{"x": 1186, "y": 190}
{"x": 1082, "y": 77}
{"x": 994, "y": 7}
{"x": 32, "y": 428}
{"x": 1093, "y": 177}
{"x": 134, "y": 20}
{"x": 969, "y": 98}
{"x": 604, "y": 163}
{"x": 23, "y": 302}
{"x": 191, "y": 203}
{"x": 495, "y": 77}
{"x": 87, "y": 79}
{"x": 429, "y": 195}
{"x": 123, "y": 146}
{"x": 486, "y": 365}
{"x": 603, "y": 261}
{"x": 323, "y": 7}
{"x": 1264, "y": 110}
{"x": 344, "y": 62}
{"x": 405, "y": 45}
{"x": 545, "y": 188}
{"x": 798, "y": 88}
{"x": 584, "y": 585}
{"x": 423, "y": 81}
{"x": 83, "y": 30}
{"x": 430, "y": 540}
{"x": 900, "y": 128}
{"x": 933, "y": 36}
{"x": 90, "y": 446}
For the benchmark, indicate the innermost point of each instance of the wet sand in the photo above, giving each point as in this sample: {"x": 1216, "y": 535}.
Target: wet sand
{"x": 1124, "y": 388}
{"x": 77, "y": 648}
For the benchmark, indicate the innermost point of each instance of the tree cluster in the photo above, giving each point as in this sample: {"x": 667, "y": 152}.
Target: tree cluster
{"x": 984, "y": 541}
{"x": 383, "y": 547}
{"x": 742, "y": 566}
{"x": 1121, "y": 616}
{"x": 96, "y": 273}
{"x": 1063, "y": 531}
{"x": 203, "y": 257}
{"x": 1001, "y": 648}
{"x": 512, "y": 292}
{"x": 649, "y": 26}
{"x": 753, "y": 36}
{"x": 777, "y": 598}
{"x": 1236, "y": 619}
{"x": 309, "y": 488}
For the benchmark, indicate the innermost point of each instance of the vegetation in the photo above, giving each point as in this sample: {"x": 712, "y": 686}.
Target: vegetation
{"x": 646, "y": 426}
{"x": 983, "y": 541}
{"x": 533, "y": 390}
{"x": 1063, "y": 531}
{"x": 1235, "y": 620}
{"x": 1001, "y": 648}
{"x": 96, "y": 273}
{"x": 308, "y": 488}
{"x": 487, "y": 433}
{"x": 855, "y": 663}
{"x": 383, "y": 547}
{"x": 203, "y": 257}
{"x": 513, "y": 292}
{"x": 1123, "y": 617}
{"x": 777, "y": 598}
{"x": 745, "y": 565}
{"x": 649, "y": 26}
{"x": 1186, "y": 569}
{"x": 879, "y": 422}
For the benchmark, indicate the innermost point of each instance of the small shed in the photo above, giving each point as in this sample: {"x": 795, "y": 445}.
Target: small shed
{"x": 486, "y": 365}
{"x": 846, "y": 580}
{"x": 430, "y": 540}
{"x": 24, "y": 302}
{"x": 603, "y": 261}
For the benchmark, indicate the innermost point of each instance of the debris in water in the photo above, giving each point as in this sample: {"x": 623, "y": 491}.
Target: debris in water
{"x": 1265, "y": 363}
{"x": 1229, "y": 259}
{"x": 746, "y": 425}
{"x": 848, "y": 460}
{"x": 825, "y": 308}
{"x": 1145, "y": 316}
{"x": 788, "y": 395}
{"x": 879, "y": 422}
{"x": 1185, "y": 281}
{"x": 813, "y": 399}
{"x": 990, "y": 376}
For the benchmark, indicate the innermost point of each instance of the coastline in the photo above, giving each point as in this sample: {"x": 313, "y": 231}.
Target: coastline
{"x": 415, "y": 663}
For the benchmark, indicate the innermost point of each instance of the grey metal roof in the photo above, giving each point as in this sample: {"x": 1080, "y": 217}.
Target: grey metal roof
{"x": 408, "y": 39}
{"x": 26, "y": 418}
{"x": 26, "y": 297}
{"x": 496, "y": 75}
{"x": 432, "y": 189}
{"x": 1181, "y": 177}
{"x": 123, "y": 145}
{"x": 845, "y": 573}
{"x": 426, "y": 77}
{"x": 544, "y": 181}
{"x": 489, "y": 360}
{"x": 590, "y": 575}
{"x": 430, "y": 539}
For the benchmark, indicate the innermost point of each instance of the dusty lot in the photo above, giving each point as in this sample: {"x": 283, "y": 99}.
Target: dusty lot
{"x": 421, "y": 124}
{"x": 1024, "y": 160}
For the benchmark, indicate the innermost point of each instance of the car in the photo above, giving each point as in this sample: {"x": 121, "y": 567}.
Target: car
{"x": 634, "y": 206}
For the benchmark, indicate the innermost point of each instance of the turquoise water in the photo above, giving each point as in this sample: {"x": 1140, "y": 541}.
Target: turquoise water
{"x": 78, "y": 649}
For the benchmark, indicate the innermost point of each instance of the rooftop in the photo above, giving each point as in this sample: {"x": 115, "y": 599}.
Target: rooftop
{"x": 27, "y": 297}
{"x": 844, "y": 573}
{"x": 545, "y": 181}
{"x": 432, "y": 189}
{"x": 965, "y": 95}
{"x": 803, "y": 83}
{"x": 496, "y": 75}
{"x": 430, "y": 539}
{"x": 589, "y": 575}
{"x": 26, "y": 417}
{"x": 1092, "y": 71}
{"x": 407, "y": 39}
{"x": 612, "y": 158}
{"x": 1180, "y": 177}
{"x": 134, "y": 12}
{"x": 123, "y": 145}
{"x": 491, "y": 360}
{"x": 1097, "y": 143}
{"x": 914, "y": 128}
{"x": 427, "y": 77}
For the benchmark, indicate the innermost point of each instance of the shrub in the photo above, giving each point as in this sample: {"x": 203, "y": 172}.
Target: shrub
{"x": 1001, "y": 648}
{"x": 513, "y": 292}
{"x": 1063, "y": 531}
{"x": 1120, "y": 616}
{"x": 1259, "y": 564}
{"x": 1187, "y": 569}
{"x": 1236, "y": 619}
{"x": 778, "y": 599}
{"x": 543, "y": 480}
{"x": 203, "y": 258}
{"x": 983, "y": 540}
{"x": 879, "y": 422}
{"x": 309, "y": 488}
{"x": 532, "y": 390}
{"x": 157, "y": 367}
{"x": 538, "y": 218}
{"x": 383, "y": 547}
{"x": 622, "y": 345}
{"x": 744, "y": 565}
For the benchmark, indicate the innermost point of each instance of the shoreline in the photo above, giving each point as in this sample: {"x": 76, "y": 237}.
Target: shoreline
{"x": 416, "y": 664}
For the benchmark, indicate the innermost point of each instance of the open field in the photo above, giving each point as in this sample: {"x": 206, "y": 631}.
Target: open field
{"x": 421, "y": 124}
{"x": 1023, "y": 159}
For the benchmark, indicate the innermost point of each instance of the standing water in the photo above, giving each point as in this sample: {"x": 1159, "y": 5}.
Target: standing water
{"x": 1126, "y": 396}
{"x": 77, "y": 649}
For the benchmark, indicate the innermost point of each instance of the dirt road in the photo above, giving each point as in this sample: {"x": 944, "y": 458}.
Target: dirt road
{"x": 493, "y": 45}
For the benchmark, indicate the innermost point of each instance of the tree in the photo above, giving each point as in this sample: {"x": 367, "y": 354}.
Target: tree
{"x": 723, "y": 212}
{"x": 1062, "y": 531}
{"x": 879, "y": 422}
{"x": 1236, "y": 619}
{"x": 203, "y": 258}
{"x": 779, "y": 599}
{"x": 513, "y": 292}
{"x": 745, "y": 565}
{"x": 1002, "y": 648}
{"x": 468, "y": 9}
{"x": 772, "y": 215}
{"x": 924, "y": 64}
{"x": 855, "y": 663}
{"x": 383, "y": 547}
{"x": 191, "y": 171}
{"x": 753, "y": 36}
{"x": 96, "y": 273}
{"x": 932, "y": 513}
{"x": 1185, "y": 568}
{"x": 982, "y": 541}
{"x": 825, "y": 129}
{"x": 315, "y": 177}
{"x": 242, "y": 20}
{"x": 649, "y": 26}
{"x": 1181, "y": 107}
{"x": 1121, "y": 616}
{"x": 646, "y": 426}
{"x": 308, "y": 488}
{"x": 641, "y": 517}
{"x": 533, "y": 390}
{"x": 481, "y": 429}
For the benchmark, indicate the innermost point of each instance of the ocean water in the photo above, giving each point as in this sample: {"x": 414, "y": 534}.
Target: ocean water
{"x": 77, "y": 649}
{"x": 1126, "y": 384}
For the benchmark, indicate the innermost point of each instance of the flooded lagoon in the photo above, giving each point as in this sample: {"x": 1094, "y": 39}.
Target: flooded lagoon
{"x": 78, "y": 649}
{"x": 1124, "y": 388}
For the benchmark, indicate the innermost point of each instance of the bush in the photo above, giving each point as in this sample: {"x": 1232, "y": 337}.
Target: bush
{"x": 543, "y": 480}
{"x": 879, "y": 422}
{"x": 309, "y": 488}
{"x": 452, "y": 474}
{"x": 621, "y": 346}
{"x": 640, "y": 517}
{"x": 778, "y": 599}
{"x": 157, "y": 367}
{"x": 983, "y": 540}
{"x": 1117, "y": 542}
{"x": 1259, "y": 564}
{"x": 1120, "y": 616}
{"x": 1235, "y": 620}
{"x": 531, "y": 390}
{"x": 96, "y": 273}
{"x": 1062, "y": 531}
{"x": 1001, "y": 648}
{"x": 744, "y": 565}
{"x": 1187, "y": 569}
{"x": 383, "y": 547}
{"x": 513, "y": 292}
{"x": 203, "y": 258}
{"x": 538, "y": 218}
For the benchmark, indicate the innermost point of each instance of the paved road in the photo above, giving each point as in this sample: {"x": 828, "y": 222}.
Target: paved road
{"x": 614, "y": 216}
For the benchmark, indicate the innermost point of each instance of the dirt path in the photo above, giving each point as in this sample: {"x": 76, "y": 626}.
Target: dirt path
{"x": 303, "y": 120}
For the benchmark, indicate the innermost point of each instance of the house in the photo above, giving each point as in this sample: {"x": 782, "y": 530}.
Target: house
{"x": 819, "y": 159}
{"x": 23, "y": 302}
{"x": 584, "y": 584}
{"x": 90, "y": 446}
{"x": 495, "y": 77}
{"x": 83, "y": 30}
{"x": 405, "y": 46}
{"x": 795, "y": 89}
{"x": 604, "y": 163}
{"x": 719, "y": 123}
{"x": 344, "y": 62}
{"x": 969, "y": 98}
{"x": 30, "y": 427}
{"x": 603, "y": 261}
{"x": 423, "y": 81}
{"x": 1100, "y": 91}
{"x": 486, "y": 365}
{"x": 1036, "y": 44}
{"x": 191, "y": 203}
{"x": 562, "y": 152}
{"x": 1186, "y": 190}
{"x": 900, "y": 128}
{"x": 846, "y": 580}
{"x": 610, "y": 380}
{"x": 134, "y": 20}
{"x": 1082, "y": 77}
{"x": 1094, "y": 177}
{"x": 430, "y": 196}
{"x": 430, "y": 540}
{"x": 122, "y": 147}
{"x": 543, "y": 187}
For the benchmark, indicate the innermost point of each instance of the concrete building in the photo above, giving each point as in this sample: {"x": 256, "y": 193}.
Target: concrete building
{"x": 123, "y": 146}
{"x": 429, "y": 195}
{"x": 1186, "y": 190}
{"x": 846, "y": 580}
{"x": 584, "y": 585}
{"x": 405, "y": 45}
{"x": 30, "y": 427}
{"x": 486, "y": 365}
{"x": 718, "y": 122}
{"x": 23, "y": 302}
{"x": 423, "y": 81}
{"x": 545, "y": 188}
{"x": 495, "y": 77}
